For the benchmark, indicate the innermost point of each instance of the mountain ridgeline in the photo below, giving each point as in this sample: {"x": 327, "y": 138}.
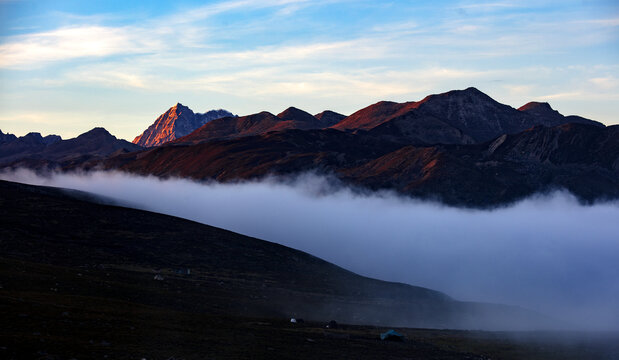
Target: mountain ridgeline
{"x": 51, "y": 152}
{"x": 460, "y": 147}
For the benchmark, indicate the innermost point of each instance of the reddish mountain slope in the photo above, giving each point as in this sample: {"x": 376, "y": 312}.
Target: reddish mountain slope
{"x": 177, "y": 122}
{"x": 374, "y": 115}
{"x": 261, "y": 123}
{"x": 293, "y": 118}
{"x": 581, "y": 158}
{"x": 284, "y": 152}
{"x": 229, "y": 127}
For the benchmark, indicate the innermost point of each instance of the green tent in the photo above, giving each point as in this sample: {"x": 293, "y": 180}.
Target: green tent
{"x": 392, "y": 335}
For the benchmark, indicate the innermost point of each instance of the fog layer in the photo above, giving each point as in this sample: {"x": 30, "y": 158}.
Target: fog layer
{"x": 547, "y": 253}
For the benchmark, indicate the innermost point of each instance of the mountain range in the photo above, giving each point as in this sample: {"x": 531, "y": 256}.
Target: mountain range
{"x": 51, "y": 152}
{"x": 460, "y": 147}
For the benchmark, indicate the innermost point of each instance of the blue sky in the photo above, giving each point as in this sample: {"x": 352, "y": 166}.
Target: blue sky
{"x": 68, "y": 66}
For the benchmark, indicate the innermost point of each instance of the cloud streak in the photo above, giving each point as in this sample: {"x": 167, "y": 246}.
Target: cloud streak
{"x": 67, "y": 43}
{"x": 546, "y": 253}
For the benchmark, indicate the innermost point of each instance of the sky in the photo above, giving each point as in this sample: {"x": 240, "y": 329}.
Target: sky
{"x": 69, "y": 66}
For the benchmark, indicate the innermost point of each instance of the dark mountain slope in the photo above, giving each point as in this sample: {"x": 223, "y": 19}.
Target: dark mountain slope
{"x": 475, "y": 113}
{"x": 231, "y": 274}
{"x": 14, "y": 148}
{"x": 374, "y": 115}
{"x": 329, "y": 118}
{"x": 230, "y": 127}
{"x": 581, "y": 158}
{"x": 256, "y": 124}
{"x": 549, "y": 117}
{"x": 278, "y": 153}
{"x": 457, "y": 116}
{"x": 6, "y": 138}
{"x": 78, "y": 281}
{"x": 419, "y": 129}
{"x": 36, "y": 151}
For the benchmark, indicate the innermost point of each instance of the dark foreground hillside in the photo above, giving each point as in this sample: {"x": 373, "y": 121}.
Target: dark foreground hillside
{"x": 85, "y": 280}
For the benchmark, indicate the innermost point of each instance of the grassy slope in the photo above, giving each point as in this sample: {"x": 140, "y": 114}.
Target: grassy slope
{"x": 77, "y": 281}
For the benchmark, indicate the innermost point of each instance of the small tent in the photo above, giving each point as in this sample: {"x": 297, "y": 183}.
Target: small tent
{"x": 392, "y": 335}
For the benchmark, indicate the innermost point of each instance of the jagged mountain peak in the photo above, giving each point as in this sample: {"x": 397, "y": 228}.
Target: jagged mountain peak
{"x": 35, "y": 138}
{"x": 6, "y": 138}
{"x": 97, "y": 132}
{"x": 293, "y": 113}
{"x": 329, "y": 118}
{"x": 176, "y": 122}
{"x": 468, "y": 95}
{"x": 180, "y": 107}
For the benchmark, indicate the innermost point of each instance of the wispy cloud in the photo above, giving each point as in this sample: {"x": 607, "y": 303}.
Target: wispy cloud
{"x": 66, "y": 44}
{"x": 606, "y": 83}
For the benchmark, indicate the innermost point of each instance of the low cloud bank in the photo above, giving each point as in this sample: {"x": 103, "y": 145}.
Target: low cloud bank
{"x": 546, "y": 253}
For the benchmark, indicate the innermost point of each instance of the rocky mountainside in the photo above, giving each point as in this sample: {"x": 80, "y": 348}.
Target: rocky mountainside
{"x": 19, "y": 147}
{"x": 256, "y": 124}
{"x": 30, "y": 139}
{"x": 5, "y": 138}
{"x": 581, "y": 158}
{"x": 329, "y": 118}
{"x": 36, "y": 151}
{"x": 374, "y": 115}
{"x": 468, "y": 115}
{"x": 177, "y": 122}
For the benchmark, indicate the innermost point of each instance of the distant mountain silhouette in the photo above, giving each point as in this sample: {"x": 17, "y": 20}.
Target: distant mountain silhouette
{"x": 177, "y": 122}
{"x": 329, "y": 118}
{"x": 5, "y": 138}
{"x": 33, "y": 150}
